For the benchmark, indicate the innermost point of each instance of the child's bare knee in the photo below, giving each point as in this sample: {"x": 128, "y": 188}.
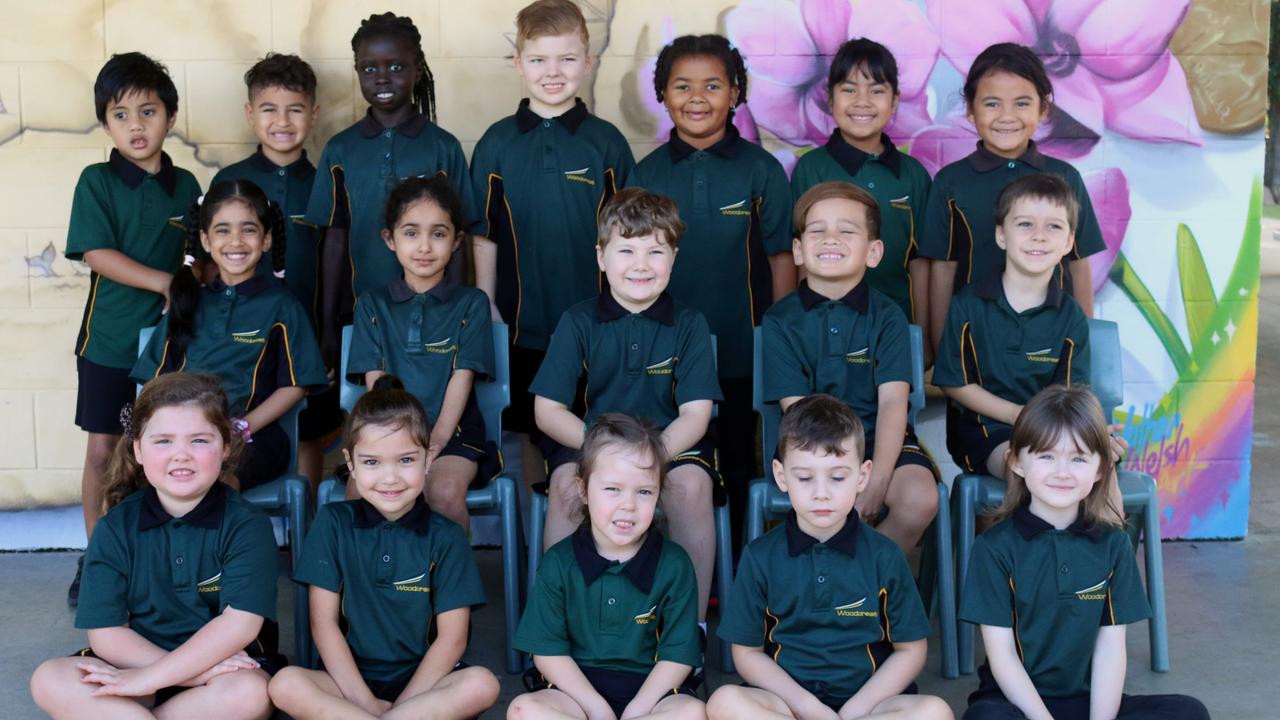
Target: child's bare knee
{"x": 285, "y": 686}
{"x": 521, "y": 708}
{"x": 932, "y": 708}
{"x": 481, "y": 684}
{"x": 51, "y": 680}
{"x": 243, "y": 695}
{"x": 725, "y": 702}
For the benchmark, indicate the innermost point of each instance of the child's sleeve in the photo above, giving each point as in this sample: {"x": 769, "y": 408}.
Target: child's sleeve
{"x": 987, "y": 595}
{"x": 695, "y": 370}
{"x": 249, "y": 566}
{"x": 318, "y": 561}
{"x": 681, "y": 639}
{"x": 298, "y": 363}
{"x": 785, "y": 374}
{"x": 155, "y": 356}
{"x": 941, "y": 224}
{"x": 956, "y": 362}
{"x": 544, "y": 628}
{"x": 893, "y": 348}
{"x": 906, "y": 618}
{"x": 90, "y": 227}
{"x": 475, "y": 341}
{"x": 455, "y": 578}
{"x": 1073, "y": 359}
{"x": 742, "y": 621}
{"x": 1126, "y": 598}
{"x": 484, "y": 162}
{"x": 104, "y": 600}
{"x": 1089, "y": 238}
{"x": 921, "y": 191}
{"x": 366, "y": 352}
{"x": 327, "y": 205}
{"x": 774, "y": 209}
{"x": 557, "y": 378}
{"x": 621, "y": 162}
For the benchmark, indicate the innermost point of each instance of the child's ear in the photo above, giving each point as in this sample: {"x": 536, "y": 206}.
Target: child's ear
{"x": 1046, "y": 105}
{"x": 137, "y": 450}
{"x": 389, "y": 239}
{"x": 875, "y": 252}
{"x": 779, "y": 475}
{"x": 346, "y": 458}
{"x": 1000, "y": 236}
{"x": 581, "y": 484}
{"x": 600, "y": 257}
{"x": 204, "y": 240}
{"x": 733, "y": 96}
{"x": 797, "y": 252}
{"x": 457, "y": 241}
{"x": 864, "y": 475}
{"x": 1013, "y": 465}
{"x": 248, "y": 113}
{"x": 172, "y": 119}
{"x": 266, "y": 242}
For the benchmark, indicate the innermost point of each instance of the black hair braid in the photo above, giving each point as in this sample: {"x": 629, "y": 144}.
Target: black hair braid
{"x": 389, "y": 24}
{"x": 279, "y": 238}
{"x": 184, "y": 289}
{"x": 716, "y": 46}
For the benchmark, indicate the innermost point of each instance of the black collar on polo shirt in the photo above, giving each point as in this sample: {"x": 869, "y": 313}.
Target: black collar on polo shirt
{"x": 412, "y": 126}
{"x": 300, "y": 169}
{"x": 401, "y": 292}
{"x": 640, "y": 569}
{"x": 991, "y": 287}
{"x": 206, "y": 514}
{"x": 983, "y": 160}
{"x": 1030, "y": 525}
{"x": 248, "y": 288}
{"x": 571, "y": 119}
{"x": 662, "y": 310}
{"x": 367, "y": 516}
{"x": 852, "y": 159}
{"x": 132, "y": 175}
{"x": 846, "y": 540}
{"x": 859, "y": 298}
{"x": 725, "y": 147}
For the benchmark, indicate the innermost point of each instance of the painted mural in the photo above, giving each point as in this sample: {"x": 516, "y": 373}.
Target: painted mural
{"x": 1159, "y": 103}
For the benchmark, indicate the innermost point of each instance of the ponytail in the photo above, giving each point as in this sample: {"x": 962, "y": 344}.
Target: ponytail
{"x": 277, "y": 224}
{"x": 184, "y": 289}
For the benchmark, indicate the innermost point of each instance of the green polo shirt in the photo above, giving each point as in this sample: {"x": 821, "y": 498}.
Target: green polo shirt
{"x": 118, "y": 206}
{"x": 847, "y": 347}
{"x": 394, "y": 578}
{"x": 166, "y": 577}
{"x": 1055, "y": 588}
{"x": 358, "y": 169}
{"x": 827, "y": 613}
{"x": 290, "y": 189}
{"x": 541, "y": 184}
{"x": 613, "y": 616}
{"x": 736, "y": 206}
{"x": 254, "y": 336}
{"x": 422, "y": 338}
{"x": 1012, "y": 355}
{"x": 645, "y": 364}
{"x": 900, "y": 185}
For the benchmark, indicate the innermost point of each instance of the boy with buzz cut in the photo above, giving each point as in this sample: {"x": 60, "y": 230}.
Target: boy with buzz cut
{"x": 824, "y": 615}
{"x": 1014, "y": 332}
{"x": 544, "y": 173}
{"x": 836, "y": 334}
{"x": 638, "y": 352}
{"x": 281, "y": 111}
{"x": 128, "y": 224}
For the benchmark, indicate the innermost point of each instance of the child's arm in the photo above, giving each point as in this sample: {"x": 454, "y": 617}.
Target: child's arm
{"x": 335, "y": 653}
{"x": 918, "y": 270}
{"x": 123, "y": 647}
{"x": 760, "y": 670}
{"x": 556, "y": 383}
{"x": 978, "y": 399}
{"x": 277, "y": 404}
{"x": 783, "y": 267}
{"x": 688, "y": 428}
{"x": 891, "y": 678}
{"x": 1106, "y": 683}
{"x": 485, "y": 255}
{"x": 1009, "y": 673}
{"x": 445, "y": 652}
{"x": 664, "y": 676}
{"x": 558, "y": 422}
{"x": 891, "y": 428}
{"x": 455, "y": 401}
{"x": 1082, "y": 284}
{"x": 565, "y": 675}
{"x": 942, "y": 284}
{"x": 115, "y": 265}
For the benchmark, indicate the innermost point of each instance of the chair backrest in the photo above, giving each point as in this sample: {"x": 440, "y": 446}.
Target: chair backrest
{"x": 1106, "y": 368}
{"x": 492, "y": 396}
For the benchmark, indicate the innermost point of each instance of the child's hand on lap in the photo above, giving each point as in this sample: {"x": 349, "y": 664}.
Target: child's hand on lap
{"x": 871, "y": 501}
{"x": 238, "y": 661}
{"x": 114, "y": 681}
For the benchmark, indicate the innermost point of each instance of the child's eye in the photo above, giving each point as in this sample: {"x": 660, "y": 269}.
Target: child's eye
{"x": 624, "y": 251}
{"x": 396, "y": 67}
{"x": 713, "y": 87}
{"x": 803, "y": 478}
{"x": 645, "y": 492}
{"x": 367, "y": 69}
{"x": 407, "y": 460}
{"x": 838, "y": 478}
{"x": 148, "y": 112}
{"x": 369, "y": 462}
{"x": 682, "y": 87}
{"x": 118, "y": 116}
{"x": 410, "y": 233}
{"x": 440, "y": 234}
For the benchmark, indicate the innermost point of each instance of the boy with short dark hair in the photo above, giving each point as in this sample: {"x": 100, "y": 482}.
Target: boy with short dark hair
{"x": 544, "y": 173}
{"x": 836, "y": 334}
{"x": 824, "y": 615}
{"x": 128, "y": 224}
{"x": 636, "y": 351}
{"x": 281, "y": 111}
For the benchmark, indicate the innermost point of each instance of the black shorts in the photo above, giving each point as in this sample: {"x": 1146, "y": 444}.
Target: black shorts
{"x": 969, "y": 443}
{"x": 989, "y": 703}
{"x": 264, "y": 459}
{"x": 835, "y": 702}
{"x": 390, "y": 690}
{"x": 913, "y": 453}
{"x": 469, "y": 442}
{"x": 702, "y": 454}
{"x": 270, "y": 663}
{"x": 322, "y": 415}
{"x": 617, "y": 687}
{"x": 101, "y": 392}
{"x": 524, "y": 364}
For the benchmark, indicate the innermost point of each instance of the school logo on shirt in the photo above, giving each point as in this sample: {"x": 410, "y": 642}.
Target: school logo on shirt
{"x": 900, "y": 203}
{"x": 1096, "y": 592}
{"x": 248, "y": 337}
{"x": 859, "y": 357}
{"x": 176, "y": 221}
{"x": 1043, "y": 356}
{"x": 580, "y": 175}
{"x": 441, "y": 347}
{"x": 738, "y": 208}
{"x": 854, "y": 609}
{"x": 212, "y": 585}
{"x": 648, "y": 616}
{"x": 666, "y": 367}
{"x": 413, "y": 584}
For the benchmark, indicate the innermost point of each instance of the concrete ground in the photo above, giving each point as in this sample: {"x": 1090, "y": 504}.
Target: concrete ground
{"x": 1221, "y": 606}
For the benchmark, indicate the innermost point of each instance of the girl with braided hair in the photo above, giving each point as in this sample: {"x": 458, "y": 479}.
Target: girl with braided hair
{"x": 243, "y": 327}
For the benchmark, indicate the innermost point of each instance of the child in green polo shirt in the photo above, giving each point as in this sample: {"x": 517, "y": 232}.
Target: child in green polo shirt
{"x": 128, "y": 221}
{"x": 824, "y": 615}
{"x": 862, "y": 93}
{"x": 281, "y": 111}
{"x": 1015, "y": 332}
{"x": 837, "y": 334}
{"x": 543, "y": 173}
{"x": 245, "y": 328}
{"x": 636, "y": 351}
{"x": 392, "y": 584}
{"x": 1056, "y": 640}
{"x": 433, "y": 333}
{"x": 611, "y": 620}
{"x": 180, "y": 576}
{"x": 1007, "y": 94}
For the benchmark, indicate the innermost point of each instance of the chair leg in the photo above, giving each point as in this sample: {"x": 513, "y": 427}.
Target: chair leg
{"x": 1157, "y": 627}
{"x": 757, "y": 496}
{"x": 724, "y": 575}
{"x": 509, "y": 510}
{"x": 297, "y": 504}
{"x": 537, "y": 522}
{"x": 946, "y": 584}
{"x": 966, "y": 490}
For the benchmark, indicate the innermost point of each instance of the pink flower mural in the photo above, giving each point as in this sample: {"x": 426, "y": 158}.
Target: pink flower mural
{"x": 1109, "y": 192}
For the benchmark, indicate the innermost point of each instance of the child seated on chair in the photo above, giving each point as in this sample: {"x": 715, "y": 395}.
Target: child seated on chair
{"x": 636, "y": 351}
{"x": 837, "y": 335}
{"x": 824, "y": 615}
